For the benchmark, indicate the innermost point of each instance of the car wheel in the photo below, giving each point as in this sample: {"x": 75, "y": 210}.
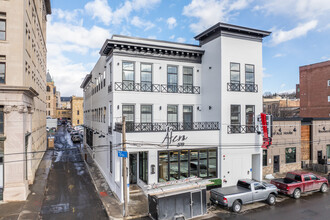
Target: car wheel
{"x": 237, "y": 206}
{"x": 324, "y": 188}
{"x": 296, "y": 193}
{"x": 271, "y": 200}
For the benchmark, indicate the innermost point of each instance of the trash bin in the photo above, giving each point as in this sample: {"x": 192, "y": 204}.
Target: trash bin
{"x": 51, "y": 141}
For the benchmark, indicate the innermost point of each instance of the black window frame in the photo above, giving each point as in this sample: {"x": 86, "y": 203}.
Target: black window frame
{"x": 111, "y": 159}
{"x": 177, "y": 114}
{"x": 250, "y": 126}
{"x": 143, "y": 166}
{"x": 146, "y": 86}
{"x": 188, "y": 87}
{"x": 236, "y": 127}
{"x": 128, "y": 85}
{"x": 129, "y": 124}
{"x": 264, "y": 158}
{"x": 290, "y": 160}
{"x": 146, "y": 112}
{"x": 239, "y": 73}
{"x": 172, "y": 87}
{"x": 254, "y": 74}
{"x": 189, "y": 162}
{"x": 188, "y": 125}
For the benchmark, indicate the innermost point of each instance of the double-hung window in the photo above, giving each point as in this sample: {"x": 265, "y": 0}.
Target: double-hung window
{"x": 249, "y": 118}
{"x": 290, "y": 155}
{"x": 235, "y": 118}
{"x": 2, "y": 27}
{"x": 235, "y": 77}
{"x": 172, "y": 115}
{"x": 249, "y": 78}
{"x": 2, "y": 73}
{"x": 129, "y": 113}
{"x": 172, "y": 79}
{"x": 188, "y": 80}
{"x": 146, "y": 116}
{"x": 128, "y": 76}
{"x": 187, "y": 117}
{"x": 146, "y": 77}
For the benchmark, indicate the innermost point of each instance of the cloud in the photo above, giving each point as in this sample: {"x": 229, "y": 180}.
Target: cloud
{"x": 302, "y": 9}
{"x": 68, "y": 16}
{"x": 181, "y": 40}
{"x": 210, "y": 12}
{"x": 172, "y": 37}
{"x": 264, "y": 74}
{"x": 138, "y": 22}
{"x": 325, "y": 58}
{"x": 171, "y": 22}
{"x": 279, "y": 55}
{"x": 283, "y": 85}
{"x": 152, "y": 37}
{"x": 280, "y": 36}
{"x": 99, "y": 9}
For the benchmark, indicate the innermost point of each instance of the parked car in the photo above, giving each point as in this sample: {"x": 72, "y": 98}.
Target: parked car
{"x": 76, "y": 138}
{"x": 299, "y": 182}
{"x": 246, "y": 191}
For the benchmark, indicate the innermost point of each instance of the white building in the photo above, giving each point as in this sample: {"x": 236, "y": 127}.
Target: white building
{"x": 208, "y": 94}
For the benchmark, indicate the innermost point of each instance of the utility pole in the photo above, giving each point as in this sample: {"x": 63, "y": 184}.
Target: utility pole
{"x": 125, "y": 209}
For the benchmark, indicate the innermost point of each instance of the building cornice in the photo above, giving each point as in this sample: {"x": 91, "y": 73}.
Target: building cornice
{"x": 152, "y": 51}
{"x": 29, "y": 91}
{"x": 48, "y": 7}
{"x": 229, "y": 30}
{"x": 88, "y": 77}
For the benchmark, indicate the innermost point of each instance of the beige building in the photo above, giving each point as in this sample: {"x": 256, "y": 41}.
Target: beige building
{"x": 281, "y": 107}
{"x": 65, "y": 103}
{"x": 63, "y": 114}
{"x": 58, "y": 100}
{"x": 22, "y": 93}
{"x": 50, "y": 97}
{"x": 285, "y": 152}
{"x": 77, "y": 110}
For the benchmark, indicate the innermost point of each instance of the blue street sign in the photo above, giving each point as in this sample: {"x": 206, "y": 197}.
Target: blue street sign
{"x": 122, "y": 153}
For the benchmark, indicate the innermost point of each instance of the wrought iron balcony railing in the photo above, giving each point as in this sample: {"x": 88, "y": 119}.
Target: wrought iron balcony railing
{"x": 242, "y": 87}
{"x": 160, "y": 127}
{"x": 148, "y": 87}
{"x": 241, "y": 129}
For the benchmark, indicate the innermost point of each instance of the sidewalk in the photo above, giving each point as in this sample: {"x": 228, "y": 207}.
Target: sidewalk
{"x": 138, "y": 206}
{"x": 30, "y": 208}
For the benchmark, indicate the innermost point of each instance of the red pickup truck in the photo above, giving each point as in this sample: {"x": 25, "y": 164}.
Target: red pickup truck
{"x": 299, "y": 182}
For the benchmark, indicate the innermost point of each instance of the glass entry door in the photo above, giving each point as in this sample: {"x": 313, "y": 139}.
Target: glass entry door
{"x": 132, "y": 168}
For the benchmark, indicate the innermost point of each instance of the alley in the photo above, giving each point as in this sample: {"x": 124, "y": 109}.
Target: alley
{"x": 70, "y": 193}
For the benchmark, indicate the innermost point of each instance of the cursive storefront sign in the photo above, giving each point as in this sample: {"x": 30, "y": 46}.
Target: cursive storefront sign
{"x": 171, "y": 139}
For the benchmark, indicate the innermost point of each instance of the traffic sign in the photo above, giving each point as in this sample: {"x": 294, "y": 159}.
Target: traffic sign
{"x": 122, "y": 153}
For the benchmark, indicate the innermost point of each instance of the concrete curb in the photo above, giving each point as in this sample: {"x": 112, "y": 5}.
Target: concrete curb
{"x": 107, "y": 211}
{"x": 33, "y": 205}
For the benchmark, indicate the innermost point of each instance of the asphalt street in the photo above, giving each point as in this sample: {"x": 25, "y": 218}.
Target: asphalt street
{"x": 70, "y": 193}
{"x": 312, "y": 206}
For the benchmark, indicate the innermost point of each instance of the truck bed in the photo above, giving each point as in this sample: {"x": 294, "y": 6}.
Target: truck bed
{"x": 285, "y": 181}
{"x": 231, "y": 190}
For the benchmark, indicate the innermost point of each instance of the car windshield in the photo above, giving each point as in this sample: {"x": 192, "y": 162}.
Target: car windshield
{"x": 243, "y": 184}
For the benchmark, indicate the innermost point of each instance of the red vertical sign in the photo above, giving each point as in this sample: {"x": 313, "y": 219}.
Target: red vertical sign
{"x": 266, "y": 139}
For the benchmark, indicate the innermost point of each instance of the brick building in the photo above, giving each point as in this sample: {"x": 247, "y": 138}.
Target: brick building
{"x": 77, "y": 111}
{"x": 315, "y": 90}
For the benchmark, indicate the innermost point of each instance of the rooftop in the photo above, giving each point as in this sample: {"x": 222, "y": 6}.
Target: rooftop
{"x": 65, "y": 99}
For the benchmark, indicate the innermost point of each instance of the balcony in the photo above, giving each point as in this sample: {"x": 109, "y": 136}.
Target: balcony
{"x": 148, "y": 87}
{"x": 161, "y": 127}
{"x": 242, "y": 87}
{"x": 241, "y": 129}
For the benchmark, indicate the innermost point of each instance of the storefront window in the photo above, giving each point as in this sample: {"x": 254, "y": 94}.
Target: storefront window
{"x": 290, "y": 155}
{"x": 184, "y": 162}
{"x": 163, "y": 167}
{"x": 143, "y": 166}
{"x": 212, "y": 163}
{"x": 328, "y": 151}
{"x": 203, "y": 163}
{"x": 194, "y": 163}
{"x": 174, "y": 165}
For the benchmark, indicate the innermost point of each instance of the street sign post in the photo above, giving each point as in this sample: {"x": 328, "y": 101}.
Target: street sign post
{"x": 122, "y": 154}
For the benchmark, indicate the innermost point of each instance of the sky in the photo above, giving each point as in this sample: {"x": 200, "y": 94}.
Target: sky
{"x": 77, "y": 29}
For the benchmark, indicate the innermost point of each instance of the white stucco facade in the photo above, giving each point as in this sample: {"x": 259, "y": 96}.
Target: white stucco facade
{"x": 203, "y": 126}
